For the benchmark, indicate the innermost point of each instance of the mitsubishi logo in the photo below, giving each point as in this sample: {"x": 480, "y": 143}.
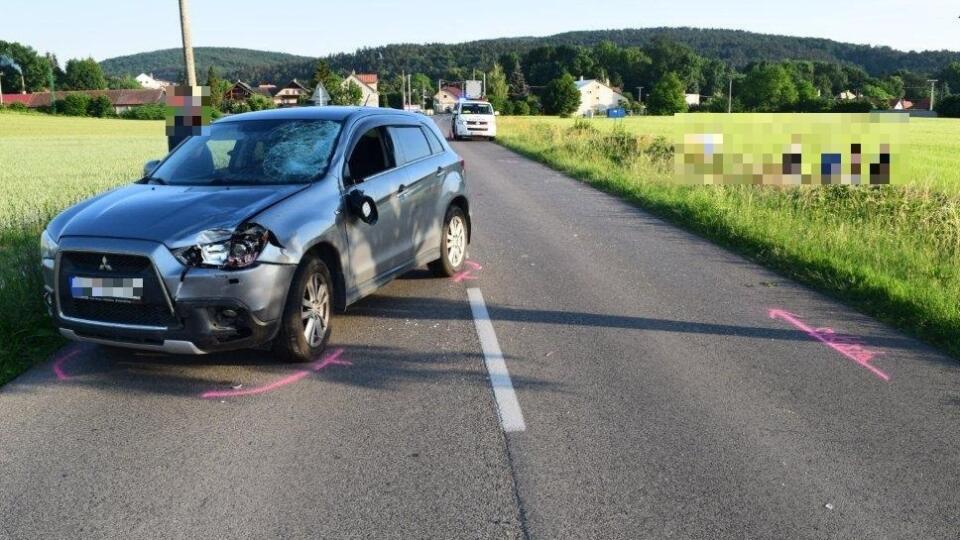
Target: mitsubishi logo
{"x": 105, "y": 265}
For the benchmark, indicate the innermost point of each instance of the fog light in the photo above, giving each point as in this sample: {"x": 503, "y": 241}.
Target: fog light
{"x": 229, "y": 313}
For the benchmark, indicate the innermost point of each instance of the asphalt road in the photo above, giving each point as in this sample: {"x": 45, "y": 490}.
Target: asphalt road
{"x": 667, "y": 388}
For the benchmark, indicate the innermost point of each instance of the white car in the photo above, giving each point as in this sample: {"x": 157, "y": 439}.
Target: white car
{"x": 474, "y": 119}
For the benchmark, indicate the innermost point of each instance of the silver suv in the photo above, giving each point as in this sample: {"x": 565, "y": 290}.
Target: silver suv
{"x": 252, "y": 233}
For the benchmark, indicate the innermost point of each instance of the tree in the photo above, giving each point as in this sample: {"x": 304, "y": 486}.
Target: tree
{"x": 258, "y": 102}
{"x": 100, "y": 107}
{"x": 518, "y": 83}
{"x": 497, "y": 88}
{"x": 321, "y": 74}
{"x": 950, "y": 76}
{"x": 73, "y": 105}
{"x": 84, "y": 75}
{"x": 218, "y": 88}
{"x": 521, "y": 108}
{"x": 768, "y": 87}
{"x": 949, "y": 106}
{"x": 344, "y": 92}
{"x": 35, "y": 68}
{"x": 561, "y": 96}
{"x": 125, "y": 82}
{"x": 668, "y": 96}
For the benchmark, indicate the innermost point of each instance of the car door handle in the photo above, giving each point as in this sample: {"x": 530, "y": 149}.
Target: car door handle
{"x": 401, "y": 189}
{"x": 439, "y": 171}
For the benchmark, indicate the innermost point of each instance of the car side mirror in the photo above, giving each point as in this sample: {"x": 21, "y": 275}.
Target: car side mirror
{"x": 363, "y": 207}
{"x": 150, "y": 166}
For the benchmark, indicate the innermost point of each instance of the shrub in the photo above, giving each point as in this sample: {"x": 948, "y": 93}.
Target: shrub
{"x": 100, "y": 107}
{"x": 153, "y": 111}
{"x": 852, "y": 106}
{"x": 561, "y": 96}
{"x": 73, "y": 105}
{"x": 16, "y": 106}
{"x": 581, "y": 126}
{"x": 257, "y": 102}
{"x": 667, "y": 96}
{"x": 534, "y": 105}
{"x": 506, "y": 108}
{"x": 949, "y": 106}
{"x": 235, "y": 107}
{"x": 521, "y": 108}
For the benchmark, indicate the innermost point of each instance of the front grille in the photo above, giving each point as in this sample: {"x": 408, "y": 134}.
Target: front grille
{"x": 152, "y": 311}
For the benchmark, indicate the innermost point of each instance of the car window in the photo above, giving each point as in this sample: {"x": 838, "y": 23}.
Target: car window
{"x": 475, "y": 108}
{"x": 411, "y": 142}
{"x": 372, "y": 154}
{"x": 253, "y": 152}
{"x": 435, "y": 145}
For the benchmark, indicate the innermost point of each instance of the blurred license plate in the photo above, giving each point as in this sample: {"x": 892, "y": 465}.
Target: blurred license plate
{"x": 107, "y": 289}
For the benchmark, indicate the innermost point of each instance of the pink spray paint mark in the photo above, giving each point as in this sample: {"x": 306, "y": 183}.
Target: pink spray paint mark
{"x": 315, "y": 366}
{"x": 467, "y": 274}
{"x": 848, "y": 346}
{"x": 58, "y": 364}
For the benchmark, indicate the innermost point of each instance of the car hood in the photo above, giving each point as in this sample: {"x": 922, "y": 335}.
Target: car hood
{"x": 172, "y": 215}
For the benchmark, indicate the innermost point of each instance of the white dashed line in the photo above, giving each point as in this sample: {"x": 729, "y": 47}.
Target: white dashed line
{"x": 511, "y": 417}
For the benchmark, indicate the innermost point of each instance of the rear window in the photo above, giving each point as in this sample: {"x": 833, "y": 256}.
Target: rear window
{"x": 410, "y": 142}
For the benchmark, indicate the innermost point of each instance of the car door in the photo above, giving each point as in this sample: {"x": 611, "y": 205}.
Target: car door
{"x": 423, "y": 174}
{"x": 376, "y": 250}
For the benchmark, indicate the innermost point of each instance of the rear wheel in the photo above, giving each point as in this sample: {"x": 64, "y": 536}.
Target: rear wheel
{"x": 305, "y": 324}
{"x": 453, "y": 244}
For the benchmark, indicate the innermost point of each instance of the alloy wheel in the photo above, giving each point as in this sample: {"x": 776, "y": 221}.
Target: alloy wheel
{"x": 315, "y": 310}
{"x": 456, "y": 241}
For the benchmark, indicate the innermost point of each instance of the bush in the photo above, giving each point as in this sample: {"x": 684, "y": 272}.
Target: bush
{"x": 506, "y": 108}
{"x": 235, "y": 107}
{"x": 668, "y": 96}
{"x": 153, "y": 111}
{"x": 521, "y": 108}
{"x": 561, "y": 96}
{"x": 100, "y": 107}
{"x": 257, "y": 102}
{"x": 852, "y": 106}
{"x": 949, "y": 106}
{"x": 73, "y": 105}
{"x": 16, "y": 106}
{"x": 533, "y": 103}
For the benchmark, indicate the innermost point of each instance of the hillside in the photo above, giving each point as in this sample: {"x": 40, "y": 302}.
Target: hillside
{"x": 735, "y": 47}
{"x": 168, "y": 63}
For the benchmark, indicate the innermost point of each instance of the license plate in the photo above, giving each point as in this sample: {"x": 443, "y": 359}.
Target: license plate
{"x": 107, "y": 289}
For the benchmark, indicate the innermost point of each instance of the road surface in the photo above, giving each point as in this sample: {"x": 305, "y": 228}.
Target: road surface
{"x": 646, "y": 384}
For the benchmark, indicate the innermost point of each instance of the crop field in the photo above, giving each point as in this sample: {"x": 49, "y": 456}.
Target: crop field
{"x": 47, "y": 163}
{"x": 893, "y": 251}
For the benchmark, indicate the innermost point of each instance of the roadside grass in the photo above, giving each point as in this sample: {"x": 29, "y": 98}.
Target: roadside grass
{"x": 46, "y": 164}
{"x": 891, "y": 251}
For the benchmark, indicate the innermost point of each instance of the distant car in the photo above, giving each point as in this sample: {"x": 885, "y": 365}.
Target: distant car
{"x": 253, "y": 233}
{"x": 474, "y": 119}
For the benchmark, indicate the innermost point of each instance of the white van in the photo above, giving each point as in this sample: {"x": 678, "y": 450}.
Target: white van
{"x": 474, "y": 119}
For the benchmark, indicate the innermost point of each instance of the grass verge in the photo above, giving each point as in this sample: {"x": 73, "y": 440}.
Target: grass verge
{"x": 893, "y": 252}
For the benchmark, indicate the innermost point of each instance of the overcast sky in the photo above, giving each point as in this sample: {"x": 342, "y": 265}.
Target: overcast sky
{"x": 104, "y": 29}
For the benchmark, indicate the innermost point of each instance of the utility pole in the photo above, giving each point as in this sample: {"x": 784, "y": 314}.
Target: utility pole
{"x": 187, "y": 45}
{"x": 730, "y": 97}
{"x": 1, "y": 88}
{"x": 640, "y": 98}
{"x": 933, "y": 83}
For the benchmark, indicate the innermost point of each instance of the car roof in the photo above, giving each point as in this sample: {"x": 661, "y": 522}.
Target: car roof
{"x": 335, "y": 113}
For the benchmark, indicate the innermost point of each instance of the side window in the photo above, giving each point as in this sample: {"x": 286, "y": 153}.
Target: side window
{"x": 411, "y": 143}
{"x": 435, "y": 145}
{"x": 373, "y": 154}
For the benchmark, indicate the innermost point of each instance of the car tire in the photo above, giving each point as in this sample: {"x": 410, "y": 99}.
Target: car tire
{"x": 453, "y": 244}
{"x": 299, "y": 338}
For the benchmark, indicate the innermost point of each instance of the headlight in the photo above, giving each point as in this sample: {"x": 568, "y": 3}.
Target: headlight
{"x": 223, "y": 248}
{"x": 48, "y": 248}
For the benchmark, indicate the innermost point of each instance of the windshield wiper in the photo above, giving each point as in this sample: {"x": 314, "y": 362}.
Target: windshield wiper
{"x": 157, "y": 180}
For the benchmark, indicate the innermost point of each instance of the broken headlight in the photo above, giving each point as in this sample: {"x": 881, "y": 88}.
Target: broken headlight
{"x": 223, "y": 248}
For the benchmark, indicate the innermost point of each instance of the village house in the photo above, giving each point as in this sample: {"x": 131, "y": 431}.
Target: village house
{"x": 148, "y": 81}
{"x": 446, "y": 98}
{"x": 596, "y": 97}
{"x": 901, "y": 104}
{"x": 291, "y": 94}
{"x": 122, "y": 100}
{"x": 240, "y": 91}
{"x": 369, "y": 95}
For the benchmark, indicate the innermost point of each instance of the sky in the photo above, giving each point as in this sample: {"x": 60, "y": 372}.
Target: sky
{"x": 108, "y": 28}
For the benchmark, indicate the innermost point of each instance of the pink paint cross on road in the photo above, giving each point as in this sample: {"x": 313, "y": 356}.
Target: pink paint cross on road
{"x": 467, "y": 274}
{"x": 848, "y": 346}
{"x": 315, "y": 366}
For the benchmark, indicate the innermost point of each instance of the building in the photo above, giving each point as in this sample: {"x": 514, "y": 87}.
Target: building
{"x": 596, "y": 97}
{"x": 122, "y": 100}
{"x": 901, "y": 104}
{"x": 847, "y": 95}
{"x": 240, "y": 91}
{"x": 446, "y": 98}
{"x": 147, "y": 81}
{"x": 292, "y": 94}
{"x": 369, "y": 95}
{"x": 692, "y": 100}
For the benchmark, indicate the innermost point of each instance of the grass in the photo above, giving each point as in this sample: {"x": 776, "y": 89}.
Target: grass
{"x": 46, "y": 164}
{"x": 891, "y": 251}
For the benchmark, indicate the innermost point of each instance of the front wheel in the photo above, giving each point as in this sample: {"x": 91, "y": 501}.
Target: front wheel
{"x": 453, "y": 244}
{"x": 305, "y": 324}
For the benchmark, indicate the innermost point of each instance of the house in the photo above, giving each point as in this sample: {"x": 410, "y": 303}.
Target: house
{"x": 900, "y": 104}
{"x": 446, "y": 98}
{"x": 692, "y": 100}
{"x": 240, "y": 91}
{"x": 148, "y": 81}
{"x": 369, "y": 96}
{"x": 847, "y": 95}
{"x": 596, "y": 97}
{"x": 122, "y": 100}
{"x": 291, "y": 94}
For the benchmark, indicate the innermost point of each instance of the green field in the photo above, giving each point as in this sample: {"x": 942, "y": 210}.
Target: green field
{"x": 893, "y": 251}
{"x": 47, "y": 163}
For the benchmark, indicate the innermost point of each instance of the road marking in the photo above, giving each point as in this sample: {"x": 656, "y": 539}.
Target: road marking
{"x": 511, "y": 417}
{"x": 845, "y": 345}
{"x": 331, "y": 359}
